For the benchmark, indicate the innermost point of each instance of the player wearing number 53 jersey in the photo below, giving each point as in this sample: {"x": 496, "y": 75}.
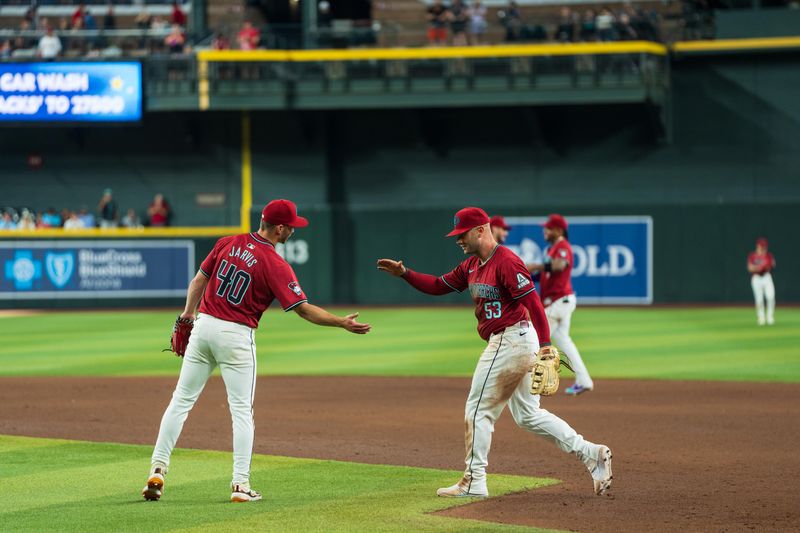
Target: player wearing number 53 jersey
{"x": 236, "y": 283}
{"x": 511, "y": 319}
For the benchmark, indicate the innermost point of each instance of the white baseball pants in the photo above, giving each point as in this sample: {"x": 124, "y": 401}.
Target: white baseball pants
{"x": 503, "y": 377}
{"x": 231, "y": 346}
{"x": 764, "y": 289}
{"x": 559, "y": 316}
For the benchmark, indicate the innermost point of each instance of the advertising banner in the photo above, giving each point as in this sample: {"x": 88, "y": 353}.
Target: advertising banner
{"x": 71, "y": 92}
{"x": 95, "y": 269}
{"x": 613, "y": 256}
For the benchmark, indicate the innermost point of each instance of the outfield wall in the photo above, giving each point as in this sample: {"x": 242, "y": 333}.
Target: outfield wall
{"x": 386, "y": 183}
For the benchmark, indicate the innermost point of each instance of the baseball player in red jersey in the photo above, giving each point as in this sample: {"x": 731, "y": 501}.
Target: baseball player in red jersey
{"x": 499, "y": 229}
{"x": 760, "y": 264}
{"x": 559, "y": 298}
{"x": 511, "y": 319}
{"x": 236, "y": 283}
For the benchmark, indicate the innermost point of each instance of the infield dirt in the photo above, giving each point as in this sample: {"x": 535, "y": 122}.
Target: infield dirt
{"x": 688, "y": 456}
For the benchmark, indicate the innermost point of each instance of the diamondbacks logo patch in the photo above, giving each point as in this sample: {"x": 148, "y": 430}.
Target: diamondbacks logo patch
{"x": 456, "y": 221}
{"x": 522, "y": 280}
{"x": 296, "y": 288}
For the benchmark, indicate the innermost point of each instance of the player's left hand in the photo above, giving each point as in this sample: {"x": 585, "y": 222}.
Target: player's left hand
{"x": 181, "y": 332}
{"x": 352, "y": 326}
{"x": 395, "y": 268}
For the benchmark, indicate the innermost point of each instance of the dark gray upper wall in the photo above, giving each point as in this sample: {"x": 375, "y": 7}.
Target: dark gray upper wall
{"x": 178, "y": 155}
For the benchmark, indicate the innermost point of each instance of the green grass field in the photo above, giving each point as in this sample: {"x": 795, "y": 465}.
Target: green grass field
{"x": 646, "y": 343}
{"x": 57, "y": 485}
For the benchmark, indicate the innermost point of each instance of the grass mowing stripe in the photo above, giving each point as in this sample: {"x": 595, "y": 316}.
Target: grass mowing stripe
{"x": 657, "y": 343}
{"x": 91, "y": 494}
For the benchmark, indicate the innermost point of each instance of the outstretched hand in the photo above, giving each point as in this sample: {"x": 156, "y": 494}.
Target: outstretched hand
{"x": 395, "y": 268}
{"x": 352, "y": 326}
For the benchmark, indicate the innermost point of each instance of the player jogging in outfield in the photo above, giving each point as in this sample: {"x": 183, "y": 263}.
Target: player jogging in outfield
{"x": 559, "y": 298}
{"x": 499, "y": 229}
{"x": 760, "y": 264}
{"x": 511, "y": 319}
{"x": 236, "y": 283}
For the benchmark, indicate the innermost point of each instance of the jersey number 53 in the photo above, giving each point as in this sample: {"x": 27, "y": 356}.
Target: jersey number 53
{"x": 492, "y": 310}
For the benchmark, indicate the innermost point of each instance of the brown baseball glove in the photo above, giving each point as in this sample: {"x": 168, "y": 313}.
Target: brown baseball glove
{"x": 181, "y": 332}
{"x": 544, "y": 380}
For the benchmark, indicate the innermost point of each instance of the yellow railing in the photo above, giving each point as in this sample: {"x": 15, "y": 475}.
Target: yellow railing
{"x": 764, "y": 43}
{"x": 362, "y": 54}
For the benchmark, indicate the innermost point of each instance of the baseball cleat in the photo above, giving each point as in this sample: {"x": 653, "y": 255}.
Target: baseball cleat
{"x": 155, "y": 484}
{"x": 462, "y": 489}
{"x": 600, "y": 469}
{"x": 576, "y": 389}
{"x": 241, "y": 493}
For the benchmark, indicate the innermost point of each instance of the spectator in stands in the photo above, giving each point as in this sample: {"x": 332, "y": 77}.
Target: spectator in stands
{"x": 158, "y": 23}
{"x": 107, "y": 210}
{"x": 623, "y": 29}
{"x": 5, "y": 49}
{"x": 477, "y": 22}
{"x": 565, "y": 30}
{"x": 65, "y": 214}
{"x": 131, "y": 219}
{"x": 32, "y": 16}
{"x": 109, "y": 20}
{"x": 588, "y": 31}
{"x": 158, "y": 211}
{"x": 512, "y": 21}
{"x": 22, "y": 42}
{"x": 178, "y": 16}
{"x": 175, "y": 41}
{"x": 77, "y": 17}
{"x": 248, "y": 37}
{"x": 7, "y": 222}
{"x": 604, "y": 23}
{"x": 51, "y": 219}
{"x": 73, "y": 222}
{"x": 324, "y": 15}
{"x": 143, "y": 20}
{"x": 86, "y": 218}
{"x": 27, "y": 221}
{"x": 49, "y": 45}
{"x": 220, "y": 42}
{"x": 437, "y": 16}
{"x": 458, "y": 18}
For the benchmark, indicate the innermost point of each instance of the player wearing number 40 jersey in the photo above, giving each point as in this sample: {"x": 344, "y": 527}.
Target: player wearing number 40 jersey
{"x": 236, "y": 283}
{"x": 512, "y": 320}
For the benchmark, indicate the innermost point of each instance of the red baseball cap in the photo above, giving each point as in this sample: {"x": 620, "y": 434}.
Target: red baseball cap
{"x": 468, "y": 218}
{"x": 283, "y": 212}
{"x": 556, "y": 221}
{"x": 499, "y": 222}
{"x": 762, "y": 241}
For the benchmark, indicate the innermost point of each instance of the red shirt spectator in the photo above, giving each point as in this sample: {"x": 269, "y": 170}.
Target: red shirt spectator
{"x": 77, "y": 17}
{"x": 158, "y": 211}
{"x": 248, "y": 37}
{"x": 178, "y": 16}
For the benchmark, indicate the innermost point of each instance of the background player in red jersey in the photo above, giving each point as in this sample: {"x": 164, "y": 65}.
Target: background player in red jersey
{"x": 559, "y": 298}
{"x": 760, "y": 264}
{"x": 236, "y": 283}
{"x": 505, "y": 305}
{"x": 499, "y": 228}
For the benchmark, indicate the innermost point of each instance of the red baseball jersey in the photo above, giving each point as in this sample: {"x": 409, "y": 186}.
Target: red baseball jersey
{"x": 555, "y": 285}
{"x": 764, "y": 262}
{"x": 245, "y": 274}
{"x": 496, "y": 287}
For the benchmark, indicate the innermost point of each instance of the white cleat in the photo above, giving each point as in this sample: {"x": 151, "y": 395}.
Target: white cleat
{"x": 600, "y": 469}
{"x": 241, "y": 493}
{"x": 155, "y": 483}
{"x": 462, "y": 489}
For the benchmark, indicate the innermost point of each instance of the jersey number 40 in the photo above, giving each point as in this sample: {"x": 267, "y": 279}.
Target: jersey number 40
{"x": 233, "y": 282}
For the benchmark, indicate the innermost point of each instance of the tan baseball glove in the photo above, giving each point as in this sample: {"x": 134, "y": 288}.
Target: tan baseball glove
{"x": 544, "y": 380}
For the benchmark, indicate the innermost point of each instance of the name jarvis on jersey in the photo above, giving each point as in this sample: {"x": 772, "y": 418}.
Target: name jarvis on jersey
{"x": 248, "y": 257}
